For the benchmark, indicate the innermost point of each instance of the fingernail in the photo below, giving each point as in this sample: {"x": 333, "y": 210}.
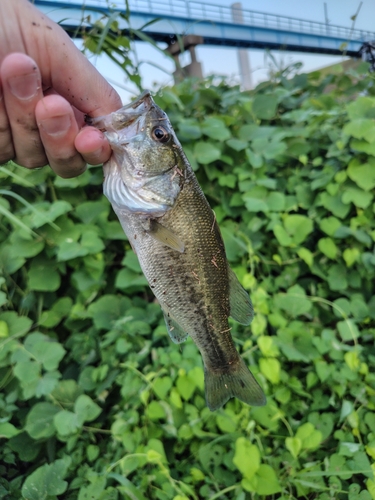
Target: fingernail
{"x": 58, "y": 125}
{"x": 24, "y": 87}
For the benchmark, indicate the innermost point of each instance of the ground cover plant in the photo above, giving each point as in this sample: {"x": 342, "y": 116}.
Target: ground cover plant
{"x": 96, "y": 402}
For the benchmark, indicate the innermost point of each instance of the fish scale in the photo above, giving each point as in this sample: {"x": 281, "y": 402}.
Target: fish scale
{"x": 174, "y": 233}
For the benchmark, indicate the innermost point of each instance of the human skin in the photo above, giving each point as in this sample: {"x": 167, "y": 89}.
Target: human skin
{"x": 46, "y": 88}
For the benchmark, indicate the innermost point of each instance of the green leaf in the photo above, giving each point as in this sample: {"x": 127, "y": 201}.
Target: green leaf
{"x": 185, "y": 387}
{"x": 92, "y": 452}
{"x": 18, "y": 326}
{"x": 22, "y": 247}
{"x": 361, "y": 128}
{"x": 107, "y": 310}
{"x": 47, "y": 481}
{"x": 91, "y": 242}
{"x": 155, "y": 411}
{"x": 8, "y": 430}
{"x": 268, "y": 484}
{"x": 337, "y": 277}
{"x": 358, "y": 197}
{"x": 335, "y": 205}
{"x": 74, "y": 182}
{"x": 264, "y": 106}
{"x": 86, "y": 409}
{"x": 294, "y": 301}
{"x": 66, "y": 392}
{"x": 246, "y": 457}
{"x": 267, "y": 346}
{"x": 66, "y": 422}
{"x": 4, "y": 329}
{"x": 361, "y": 107}
{"x": 282, "y": 236}
{"x": 352, "y": 360}
{"x": 306, "y": 256}
{"x": 39, "y": 421}
{"x": 161, "y": 386}
{"x": 226, "y": 423}
{"x": 59, "y": 310}
{"x": 28, "y": 373}
{"x": 309, "y": 436}
{"x": 276, "y": 202}
{"x": 328, "y": 247}
{"x": 70, "y": 249}
{"x": 255, "y": 159}
{"x": 237, "y": 144}
{"x": 127, "y": 278}
{"x": 348, "y": 330}
{"x": 255, "y": 204}
{"x": 131, "y": 261}
{"x": 44, "y": 350}
{"x": 234, "y": 246}
{"x": 270, "y": 367}
{"x": 188, "y": 129}
{"x": 363, "y": 146}
{"x": 361, "y": 463}
{"x": 294, "y": 445}
{"x": 9, "y": 262}
{"x": 47, "y": 383}
{"x": 43, "y": 276}
{"x": 46, "y": 212}
{"x": 298, "y": 227}
{"x": 206, "y": 152}
{"x": 351, "y": 255}
{"x": 215, "y": 129}
{"x": 228, "y": 180}
{"x": 363, "y": 174}
{"x": 330, "y": 225}
{"x": 343, "y": 307}
{"x": 90, "y": 211}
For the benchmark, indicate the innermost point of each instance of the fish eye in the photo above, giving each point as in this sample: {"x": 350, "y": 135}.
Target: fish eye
{"x": 160, "y": 134}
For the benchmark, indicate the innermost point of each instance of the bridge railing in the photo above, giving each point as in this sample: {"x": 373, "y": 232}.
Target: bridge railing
{"x": 193, "y": 10}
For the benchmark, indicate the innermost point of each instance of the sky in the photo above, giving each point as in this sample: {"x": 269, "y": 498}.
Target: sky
{"x": 224, "y": 61}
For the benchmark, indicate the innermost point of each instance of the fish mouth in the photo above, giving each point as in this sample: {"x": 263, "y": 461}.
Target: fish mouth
{"x": 125, "y": 116}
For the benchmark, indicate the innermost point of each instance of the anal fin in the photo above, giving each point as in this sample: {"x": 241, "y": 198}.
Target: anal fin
{"x": 176, "y": 333}
{"x": 241, "y": 307}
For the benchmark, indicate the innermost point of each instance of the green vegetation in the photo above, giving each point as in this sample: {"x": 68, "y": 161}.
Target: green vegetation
{"x": 96, "y": 402}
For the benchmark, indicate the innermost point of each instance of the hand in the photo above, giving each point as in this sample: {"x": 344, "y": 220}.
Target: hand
{"x": 47, "y": 86}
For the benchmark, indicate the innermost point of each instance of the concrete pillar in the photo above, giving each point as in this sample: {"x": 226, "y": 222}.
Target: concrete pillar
{"x": 189, "y": 43}
{"x": 243, "y": 56}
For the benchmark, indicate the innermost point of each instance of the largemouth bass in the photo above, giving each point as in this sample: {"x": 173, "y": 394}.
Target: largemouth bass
{"x": 173, "y": 231}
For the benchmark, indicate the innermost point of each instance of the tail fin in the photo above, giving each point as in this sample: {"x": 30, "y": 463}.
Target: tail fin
{"x": 238, "y": 383}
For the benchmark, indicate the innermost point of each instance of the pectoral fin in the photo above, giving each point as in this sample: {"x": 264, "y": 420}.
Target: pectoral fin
{"x": 175, "y": 332}
{"x": 165, "y": 236}
{"x": 241, "y": 307}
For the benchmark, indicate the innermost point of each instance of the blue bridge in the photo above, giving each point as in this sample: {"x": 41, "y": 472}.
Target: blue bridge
{"x": 216, "y": 24}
